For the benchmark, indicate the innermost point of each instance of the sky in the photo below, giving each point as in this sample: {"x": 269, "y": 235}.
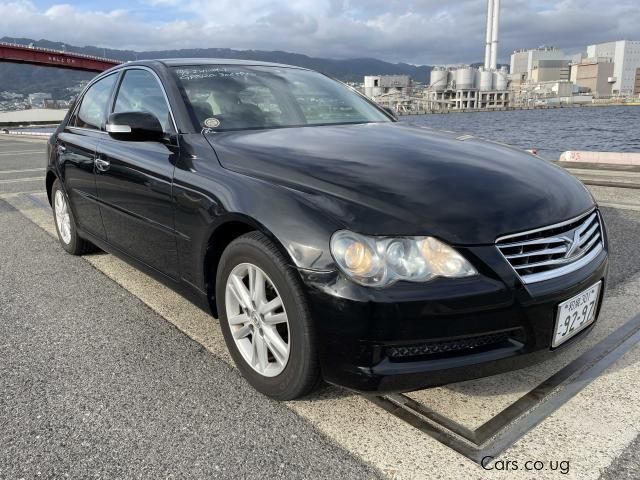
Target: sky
{"x": 414, "y": 31}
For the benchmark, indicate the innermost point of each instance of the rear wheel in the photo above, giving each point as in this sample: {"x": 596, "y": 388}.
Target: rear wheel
{"x": 265, "y": 319}
{"x": 66, "y": 225}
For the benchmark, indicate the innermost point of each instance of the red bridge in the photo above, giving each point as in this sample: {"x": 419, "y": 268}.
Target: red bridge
{"x": 10, "y": 52}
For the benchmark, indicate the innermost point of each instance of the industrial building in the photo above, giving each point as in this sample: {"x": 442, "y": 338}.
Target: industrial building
{"x": 625, "y": 55}
{"x": 524, "y": 61}
{"x": 543, "y": 76}
{"x": 538, "y": 77}
{"x": 547, "y": 93}
{"x": 608, "y": 69}
{"x": 468, "y": 88}
{"x": 377, "y": 85}
{"x": 550, "y": 70}
{"x": 594, "y": 75}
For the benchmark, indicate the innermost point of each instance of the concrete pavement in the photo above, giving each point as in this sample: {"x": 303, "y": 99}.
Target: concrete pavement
{"x": 129, "y": 379}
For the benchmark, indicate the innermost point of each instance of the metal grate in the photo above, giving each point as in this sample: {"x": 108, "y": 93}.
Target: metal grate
{"x": 448, "y": 346}
{"x": 555, "y": 250}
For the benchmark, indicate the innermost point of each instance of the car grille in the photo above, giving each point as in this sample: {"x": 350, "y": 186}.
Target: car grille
{"x": 458, "y": 346}
{"x": 555, "y": 250}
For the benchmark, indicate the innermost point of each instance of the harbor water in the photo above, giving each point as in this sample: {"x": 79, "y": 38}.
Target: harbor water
{"x": 550, "y": 131}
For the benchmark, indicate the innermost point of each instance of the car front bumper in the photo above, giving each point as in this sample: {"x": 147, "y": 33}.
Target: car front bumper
{"x": 411, "y": 336}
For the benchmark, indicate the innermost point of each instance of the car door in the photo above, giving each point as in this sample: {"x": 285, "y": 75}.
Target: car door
{"x": 134, "y": 178}
{"x": 76, "y": 147}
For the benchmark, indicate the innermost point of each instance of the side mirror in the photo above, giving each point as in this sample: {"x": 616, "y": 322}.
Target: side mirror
{"x": 135, "y": 126}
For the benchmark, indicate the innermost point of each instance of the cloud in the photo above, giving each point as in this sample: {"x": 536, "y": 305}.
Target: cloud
{"x": 416, "y": 31}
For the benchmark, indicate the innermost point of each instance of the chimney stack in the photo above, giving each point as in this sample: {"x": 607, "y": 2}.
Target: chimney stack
{"x": 491, "y": 43}
{"x": 487, "y": 46}
{"x": 494, "y": 34}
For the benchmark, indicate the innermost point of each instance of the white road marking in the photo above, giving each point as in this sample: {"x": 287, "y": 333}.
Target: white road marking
{"x": 22, "y": 152}
{"x": 19, "y": 180}
{"x": 6, "y": 172}
{"x": 623, "y": 206}
{"x": 604, "y": 173}
{"x": 24, "y": 139}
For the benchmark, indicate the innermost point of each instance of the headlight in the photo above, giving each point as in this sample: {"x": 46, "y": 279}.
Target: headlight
{"x": 381, "y": 261}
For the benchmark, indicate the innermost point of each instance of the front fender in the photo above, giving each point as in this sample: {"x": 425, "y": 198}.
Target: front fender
{"x": 207, "y": 196}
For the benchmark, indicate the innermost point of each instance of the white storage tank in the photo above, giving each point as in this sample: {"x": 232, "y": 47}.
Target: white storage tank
{"x": 439, "y": 79}
{"x": 486, "y": 81}
{"x": 464, "y": 78}
{"x": 500, "y": 80}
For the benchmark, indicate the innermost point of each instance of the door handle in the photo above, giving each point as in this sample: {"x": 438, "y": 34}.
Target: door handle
{"x": 101, "y": 165}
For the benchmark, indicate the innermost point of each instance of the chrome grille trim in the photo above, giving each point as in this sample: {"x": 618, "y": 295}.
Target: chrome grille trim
{"x": 549, "y": 252}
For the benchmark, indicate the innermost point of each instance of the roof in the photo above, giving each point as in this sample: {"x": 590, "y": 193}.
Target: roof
{"x": 178, "y": 62}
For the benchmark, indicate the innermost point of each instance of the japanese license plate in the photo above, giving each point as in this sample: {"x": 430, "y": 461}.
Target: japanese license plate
{"x": 576, "y": 314}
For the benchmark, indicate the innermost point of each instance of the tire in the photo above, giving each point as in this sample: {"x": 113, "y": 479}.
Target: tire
{"x": 279, "y": 380}
{"x": 67, "y": 232}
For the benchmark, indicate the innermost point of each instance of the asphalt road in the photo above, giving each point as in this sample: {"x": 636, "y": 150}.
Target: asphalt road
{"x": 626, "y": 466}
{"x": 22, "y": 162}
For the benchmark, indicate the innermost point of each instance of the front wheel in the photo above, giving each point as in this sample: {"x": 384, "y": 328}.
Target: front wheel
{"x": 265, "y": 319}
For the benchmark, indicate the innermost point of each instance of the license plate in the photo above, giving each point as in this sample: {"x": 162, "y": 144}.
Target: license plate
{"x": 576, "y": 314}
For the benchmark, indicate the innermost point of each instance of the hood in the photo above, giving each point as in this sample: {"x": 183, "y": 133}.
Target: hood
{"x": 394, "y": 179}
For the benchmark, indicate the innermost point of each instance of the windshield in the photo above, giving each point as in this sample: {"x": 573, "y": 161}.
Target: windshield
{"x": 224, "y": 97}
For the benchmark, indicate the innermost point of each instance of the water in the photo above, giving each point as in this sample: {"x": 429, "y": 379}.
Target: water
{"x": 551, "y": 132}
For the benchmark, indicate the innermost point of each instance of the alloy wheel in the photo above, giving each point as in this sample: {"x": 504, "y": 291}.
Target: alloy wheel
{"x": 257, "y": 319}
{"x": 63, "y": 219}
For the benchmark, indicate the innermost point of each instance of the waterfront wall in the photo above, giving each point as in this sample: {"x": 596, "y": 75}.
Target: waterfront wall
{"x": 35, "y": 116}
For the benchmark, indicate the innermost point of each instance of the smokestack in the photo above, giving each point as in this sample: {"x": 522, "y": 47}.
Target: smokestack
{"x": 494, "y": 34}
{"x": 487, "y": 46}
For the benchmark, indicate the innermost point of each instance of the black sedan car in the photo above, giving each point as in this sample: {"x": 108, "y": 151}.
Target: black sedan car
{"x": 331, "y": 241}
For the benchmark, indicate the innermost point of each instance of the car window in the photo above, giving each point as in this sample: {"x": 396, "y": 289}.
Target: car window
{"x": 264, "y": 99}
{"x": 319, "y": 106}
{"x": 141, "y": 92}
{"x": 228, "y": 97}
{"x": 93, "y": 109}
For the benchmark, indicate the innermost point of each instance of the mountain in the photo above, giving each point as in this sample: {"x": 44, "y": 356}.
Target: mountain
{"x": 29, "y": 79}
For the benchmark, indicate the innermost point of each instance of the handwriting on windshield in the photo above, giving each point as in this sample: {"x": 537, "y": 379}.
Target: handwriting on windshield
{"x": 198, "y": 73}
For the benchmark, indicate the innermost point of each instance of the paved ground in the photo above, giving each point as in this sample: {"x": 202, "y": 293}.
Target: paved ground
{"x": 626, "y": 466}
{"x": 95, "y": 383}
{"x": 105, "y": 373}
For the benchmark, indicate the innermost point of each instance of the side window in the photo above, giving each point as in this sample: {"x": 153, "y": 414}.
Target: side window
{"x": 93, "y": 109}
{"x": 141, "y": 92}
